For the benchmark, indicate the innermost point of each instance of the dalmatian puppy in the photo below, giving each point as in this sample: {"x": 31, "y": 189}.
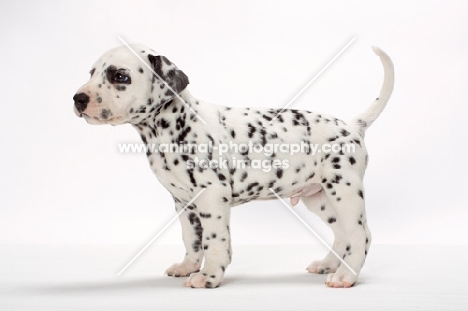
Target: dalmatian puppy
{"x": 149, "y": 92}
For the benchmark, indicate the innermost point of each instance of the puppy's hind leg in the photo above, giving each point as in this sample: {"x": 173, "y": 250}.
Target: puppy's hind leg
{"x": 322, "y": 207}
{"x": 347, "y": 199}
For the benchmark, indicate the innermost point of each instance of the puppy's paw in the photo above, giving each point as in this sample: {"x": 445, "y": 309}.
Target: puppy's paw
{"x": 341, "y": 279}
{"x": 182, "y": 269}
{"x": 203, "y": 280}
{"x": 323, "y": 266}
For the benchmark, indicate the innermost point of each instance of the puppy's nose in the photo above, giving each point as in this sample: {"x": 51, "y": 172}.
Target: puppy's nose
{"x": 81, "y": 101}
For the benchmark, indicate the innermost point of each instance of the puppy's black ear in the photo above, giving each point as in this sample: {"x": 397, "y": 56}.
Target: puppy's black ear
{"x": 169, "y": 72}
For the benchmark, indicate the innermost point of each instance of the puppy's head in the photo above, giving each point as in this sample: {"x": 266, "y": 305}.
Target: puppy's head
{"x": 123, "y": 88}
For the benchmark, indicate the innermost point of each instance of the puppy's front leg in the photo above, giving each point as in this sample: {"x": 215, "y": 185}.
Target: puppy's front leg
{"x": 192, "y": 235}
{"x": 214, "y": 212}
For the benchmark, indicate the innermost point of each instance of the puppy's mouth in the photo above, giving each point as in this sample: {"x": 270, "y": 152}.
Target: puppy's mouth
{"x": 96, "y": 120}
{"x": 104, "y": 116}
{"x": 77, "y": 113}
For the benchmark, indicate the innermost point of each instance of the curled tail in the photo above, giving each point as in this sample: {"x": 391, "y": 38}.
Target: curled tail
{"x": 365, "y": 119}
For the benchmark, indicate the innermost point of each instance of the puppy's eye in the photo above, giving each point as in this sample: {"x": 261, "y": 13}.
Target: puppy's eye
{"x": 121, "y": 78}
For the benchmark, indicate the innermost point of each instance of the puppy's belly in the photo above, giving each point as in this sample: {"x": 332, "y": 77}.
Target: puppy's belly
{"x": 307, "y": 191}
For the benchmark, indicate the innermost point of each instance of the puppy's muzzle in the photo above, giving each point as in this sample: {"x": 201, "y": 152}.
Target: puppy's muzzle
{"x": 81, "y": 101}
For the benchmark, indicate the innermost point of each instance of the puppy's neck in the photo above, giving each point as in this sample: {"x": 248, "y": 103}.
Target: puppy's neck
{"x": 170, "y": 120}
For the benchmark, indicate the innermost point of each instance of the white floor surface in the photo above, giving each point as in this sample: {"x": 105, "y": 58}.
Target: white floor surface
{"x": 260, "y": 278}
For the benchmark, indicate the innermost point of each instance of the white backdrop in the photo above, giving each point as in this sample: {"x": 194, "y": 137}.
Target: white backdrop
{"x": 64, "y": 182}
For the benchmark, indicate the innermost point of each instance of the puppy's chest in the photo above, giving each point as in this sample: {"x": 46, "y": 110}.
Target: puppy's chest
{"x": 173, "y": 152}
{"x": 168, "y": 162}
